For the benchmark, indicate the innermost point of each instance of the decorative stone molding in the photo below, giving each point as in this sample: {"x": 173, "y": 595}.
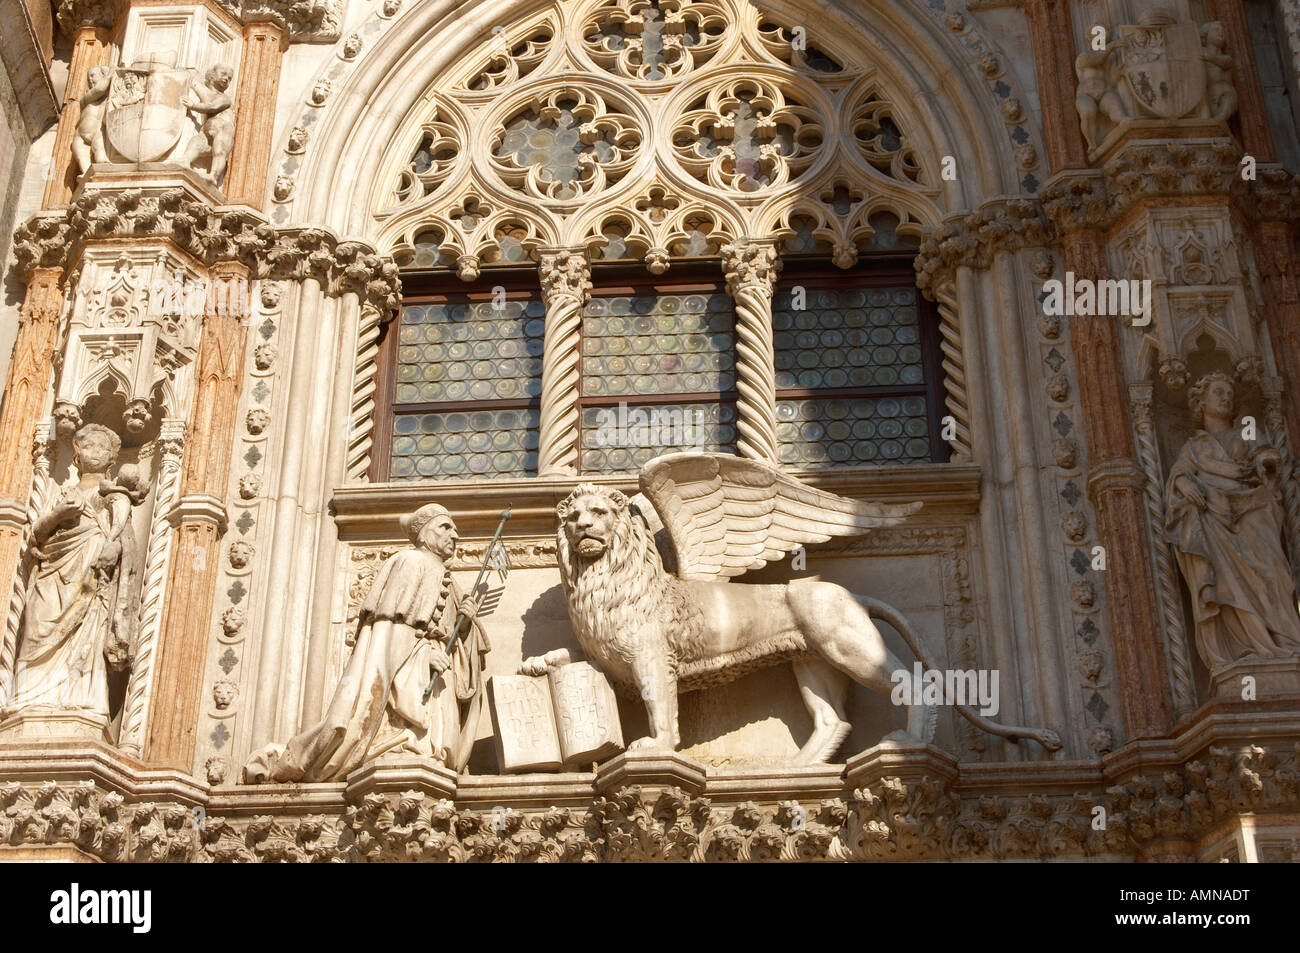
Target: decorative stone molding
{"x": 922, "y": 814}
{"x": 211, "y": 235}
{"x": 305, "y": 21}
{"x": 972, "y": 240}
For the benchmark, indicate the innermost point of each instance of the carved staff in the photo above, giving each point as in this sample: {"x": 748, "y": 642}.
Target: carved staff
{"x": 462, "y": 620}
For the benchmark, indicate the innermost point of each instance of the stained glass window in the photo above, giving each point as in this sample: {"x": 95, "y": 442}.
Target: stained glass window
{"x": 466, "y": 383}
{"x": 640, "y": 345}
{"x": 853, "y": 385}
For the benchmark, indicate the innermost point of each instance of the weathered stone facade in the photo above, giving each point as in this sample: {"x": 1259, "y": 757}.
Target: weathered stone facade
{"x": 316, "y": 265}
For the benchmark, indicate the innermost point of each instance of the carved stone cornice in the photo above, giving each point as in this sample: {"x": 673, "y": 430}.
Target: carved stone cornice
{"x": 1151, "y": 796}
{"x": 101, "y": 14}
{"x": 973, "y": 239}
{"x": 1189, "y": 169}
{"x": 305, "y": 21}
{"x": 211, "y": 234}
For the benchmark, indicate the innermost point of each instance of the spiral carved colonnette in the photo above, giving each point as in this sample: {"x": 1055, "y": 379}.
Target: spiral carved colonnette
{"x": 566, "y": 284}
{"x": 751, "y": 268}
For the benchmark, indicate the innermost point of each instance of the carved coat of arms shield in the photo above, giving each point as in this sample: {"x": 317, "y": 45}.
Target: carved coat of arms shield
{"x": 147, "y": 129}
{"x": 1164, "y": 68}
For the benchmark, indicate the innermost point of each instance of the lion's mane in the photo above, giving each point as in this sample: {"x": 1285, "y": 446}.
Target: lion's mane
{"x": 626, "y": 590}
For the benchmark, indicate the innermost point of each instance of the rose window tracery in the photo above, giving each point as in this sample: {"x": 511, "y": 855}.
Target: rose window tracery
{"x": 746, "y": 136}
{"x": 550, "y": 119}
{"x": 653, "y": 39}
{"x": 567, "y": 145}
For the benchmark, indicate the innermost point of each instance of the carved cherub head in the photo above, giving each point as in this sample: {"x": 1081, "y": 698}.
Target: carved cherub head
{"x": 95, "y": 448}
{"x": 219, "y": 77}
{"x": 99, "y": 75}
{"x": 1213, "y": 393}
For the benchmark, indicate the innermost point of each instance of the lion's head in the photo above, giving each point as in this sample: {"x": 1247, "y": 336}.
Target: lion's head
{"x": 589, "y": 519}
{"x": 612, "y": 572}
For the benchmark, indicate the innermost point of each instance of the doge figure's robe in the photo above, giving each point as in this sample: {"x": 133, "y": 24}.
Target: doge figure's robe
{"x": 1231, "y": 554}
{"x": 378, "y": 708}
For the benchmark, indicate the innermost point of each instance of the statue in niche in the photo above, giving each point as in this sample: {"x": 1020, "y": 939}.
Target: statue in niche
{"x": 218, "y": 130}
{"x": 77, "y": 617}
{"x": 662, "y": 621}
{"x": 379, "y": 707}
{"x": 1225, "y": 520}
{"x": 88, "y": 146}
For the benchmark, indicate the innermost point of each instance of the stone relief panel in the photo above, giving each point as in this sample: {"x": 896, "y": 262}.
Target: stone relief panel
{"x": 168, "y": 98}
{"x": 1160, "y": 68}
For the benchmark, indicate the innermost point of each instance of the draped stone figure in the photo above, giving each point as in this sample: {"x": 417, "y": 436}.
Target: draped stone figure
{"x": 378, "y": 707}
{"x": 1225, "y": 523}
{"x": 77, "y": 616}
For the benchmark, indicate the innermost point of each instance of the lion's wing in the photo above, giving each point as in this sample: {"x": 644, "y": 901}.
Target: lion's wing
{"x": 725, "y": 515}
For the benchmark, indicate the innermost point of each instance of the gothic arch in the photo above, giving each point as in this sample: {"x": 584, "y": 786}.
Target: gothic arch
{"x": 933, "y": 78}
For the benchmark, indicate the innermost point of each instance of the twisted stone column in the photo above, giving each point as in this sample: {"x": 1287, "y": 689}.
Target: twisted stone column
{"x": 1171, "y": 608}
{"x": 135, "y": 709}
{"x": 91, "y": 47}
{"x": 199, "y": 519}
{"x": 42, "y": 461}
{"x": 956, "y": 397}
{"x": 751, "y": 267}
{"x": 566, "y": 286}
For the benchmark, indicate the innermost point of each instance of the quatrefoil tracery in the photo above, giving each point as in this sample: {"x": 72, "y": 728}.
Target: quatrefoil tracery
{"x": 653, "y": 39}
{"x": 565, "y": 144}
{"x": 576, "y": 158}
{"x": 746, "y": 135}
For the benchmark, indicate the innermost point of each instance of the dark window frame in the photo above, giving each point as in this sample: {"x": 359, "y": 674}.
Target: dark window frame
{"x": 698, "y": 276}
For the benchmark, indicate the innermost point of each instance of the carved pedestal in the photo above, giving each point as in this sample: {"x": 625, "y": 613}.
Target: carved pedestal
{"x": 1272, "y": 676}
{"x": 37, "y": 725}
{"x": 651, "y": 771}
{"x": 397, "y": 774}
{"x": 910, "y": 763}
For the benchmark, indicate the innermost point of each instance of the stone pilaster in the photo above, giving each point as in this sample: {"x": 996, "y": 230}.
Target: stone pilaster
{"x": 751, "y": 267}
{"x": 566, "y": 285}
{"x": 255, "y": 99}
{"x": 1053, "y": 38}
{"x": 199, "y": 520}
{"x": 1116, "y": 487}
{"x": 91, "y": 47}
{"x": 24, "y": 401}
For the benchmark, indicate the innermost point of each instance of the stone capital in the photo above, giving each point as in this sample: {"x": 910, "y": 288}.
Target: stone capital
{"x": 565, "y": 273}
{"x": 751, "y": 263}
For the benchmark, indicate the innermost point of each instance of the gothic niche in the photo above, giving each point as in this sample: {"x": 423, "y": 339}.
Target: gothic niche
{"x": 87, "y": 602}
{"x": 87, "y": 574}
{"x": 1229, "y": 517}
{"x": 154, "y": 112}
{"x": 1160, "y": 68}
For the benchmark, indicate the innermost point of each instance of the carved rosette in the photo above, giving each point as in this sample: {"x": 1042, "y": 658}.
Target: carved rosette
{"x": 751, "y": 267}
{"x": 566, "y": 284}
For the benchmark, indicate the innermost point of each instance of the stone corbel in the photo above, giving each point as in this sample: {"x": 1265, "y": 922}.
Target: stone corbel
{"x": 199, "y": 508}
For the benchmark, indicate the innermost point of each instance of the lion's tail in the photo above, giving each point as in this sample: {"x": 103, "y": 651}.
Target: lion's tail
{"x": 1044, "y": 736}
